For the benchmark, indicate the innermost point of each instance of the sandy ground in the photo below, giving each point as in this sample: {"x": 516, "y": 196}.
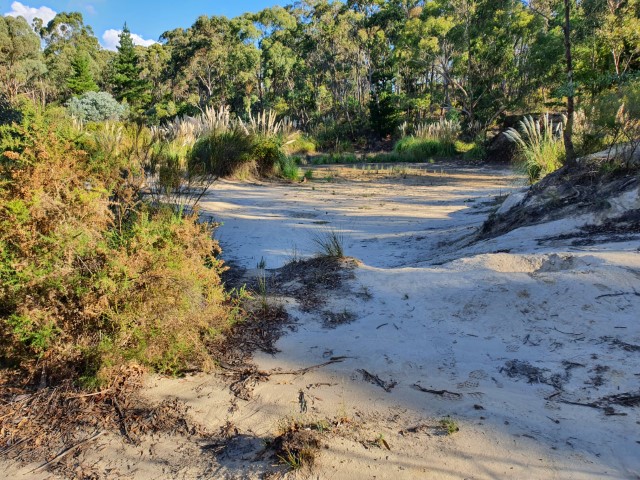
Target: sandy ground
{"x": 523, "y": 343}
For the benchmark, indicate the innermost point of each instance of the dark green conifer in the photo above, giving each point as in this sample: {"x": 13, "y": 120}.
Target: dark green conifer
{"x": 81, "y": 80}
{"x": 127, "y": 82}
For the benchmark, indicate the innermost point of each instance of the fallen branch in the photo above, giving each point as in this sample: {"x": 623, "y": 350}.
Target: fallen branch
{"x": 637, "y": 294}
{"x": 569, "y": 333}
{"x": 436, "y": 392}
{"x": 101, "y": 392}
{"x": 376, "y": 380}
{"x": 66, "y": 452}
{"x": 302, "y": 371}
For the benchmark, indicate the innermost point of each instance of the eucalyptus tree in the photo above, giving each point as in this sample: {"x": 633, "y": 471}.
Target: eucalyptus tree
{"x": 21, "y": 61}
{"x": 65, "y": 38}
{"x": 214, "y": 62}
{"x": 278, "y": 60}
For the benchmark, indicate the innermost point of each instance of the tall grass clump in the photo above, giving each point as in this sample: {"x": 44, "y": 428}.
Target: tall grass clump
{"x": 223, "y": 146}
{"x": 225, "y": 153}
{"x": 540, "y": 146}
{"x": 430, "y": 139}
{"x": 330, "y": 242}
{"x": 92, "y": 276}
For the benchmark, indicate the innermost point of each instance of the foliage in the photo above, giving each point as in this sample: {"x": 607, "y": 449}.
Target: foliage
{"x": 91, "y": 276}
{"x": 449, "y": 426}
{"x": 347, "y": 73}
{"x": 65, "y": 38}
{"x": 268, "y": 155}
{"x": 96, "y": 107}
{"x": 8, "y": 113}
{"x": 81, "y": 80}
{"x": 21, "y": 63}
{"x": 330, "y": 242}
{"x": 287, "y": 168}
{"x": 225, "y": 153}
{"x": 299, "y": 145}
{"x": 419, "y": 149}
{"x": 540, "y": 147}
{"x": 126, "y": 78}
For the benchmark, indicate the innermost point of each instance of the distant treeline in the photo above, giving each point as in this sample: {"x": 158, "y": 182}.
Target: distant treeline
{"x": 351, "y": 70}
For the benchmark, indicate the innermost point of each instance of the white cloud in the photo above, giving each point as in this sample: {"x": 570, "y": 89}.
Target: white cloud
{"x": 29, "y": 13}
{"x": 90, "y": 9}
{"x": 111, "y": 39}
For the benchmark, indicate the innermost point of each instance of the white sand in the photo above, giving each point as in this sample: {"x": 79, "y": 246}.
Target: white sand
{"x": 450, "y": 327}
{"x": 431, "y": 309}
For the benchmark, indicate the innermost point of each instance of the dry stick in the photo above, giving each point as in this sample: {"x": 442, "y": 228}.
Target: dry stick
{"x": 386, "y": 386}
{"x": 60, "y": 456}
{"x": 569, "y": 333}
{"x": 637, "y": 294}
{"x": 436, "y": 392}
{"x": 313, "y": 367}
{"x": 101, "y": 392}
{"x": 122, "y": 419}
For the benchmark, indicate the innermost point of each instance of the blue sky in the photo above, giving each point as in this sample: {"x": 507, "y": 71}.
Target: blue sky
{"x": 146, "y": 18}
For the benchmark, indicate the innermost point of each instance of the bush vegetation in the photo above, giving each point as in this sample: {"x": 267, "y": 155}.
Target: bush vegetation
{"x": 540, "y": 146}
{"x": 96, "y": 107}
{"x": 92, "y": 276}
{"x": 437, "y": 139}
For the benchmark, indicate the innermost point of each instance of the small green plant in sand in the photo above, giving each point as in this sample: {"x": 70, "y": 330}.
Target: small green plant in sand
{"x": 380, "y": 442}
{"x": 296, "y": 459}
{"x": 262, "y": 290}
{"x": 330, "y": 242}
{"x": 297, "y": 443}
{"x": 449, "y": 426}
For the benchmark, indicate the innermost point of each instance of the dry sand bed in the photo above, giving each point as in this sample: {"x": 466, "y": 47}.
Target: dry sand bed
{"x": 533, "y": 353}
{"x": 531, "y": 350}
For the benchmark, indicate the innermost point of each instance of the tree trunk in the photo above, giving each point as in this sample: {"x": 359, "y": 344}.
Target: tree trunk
{"x": 568, "y": 131}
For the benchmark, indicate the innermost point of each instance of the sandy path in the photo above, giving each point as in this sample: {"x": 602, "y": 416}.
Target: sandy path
{"x": 503, "y": 332}
{"x": 508, "y": 330}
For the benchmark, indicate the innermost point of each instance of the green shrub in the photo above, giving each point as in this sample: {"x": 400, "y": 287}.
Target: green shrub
{"x": 225, "y": 154}
{"x": 8, "y": 113}
{"x": 92, "y": 278}
{"x": 439, "y": 139}
{"x": 267, "y": 153}
{"x": 287, "y": 168}
{"x": 96, "y": 107}
{"x": 300, "y": 145}
{"x": 615, "y": 120}
{"x": 417, "y": 149}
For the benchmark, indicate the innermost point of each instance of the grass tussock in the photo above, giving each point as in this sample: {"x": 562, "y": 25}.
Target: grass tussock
{"x": 330, "y": 243}
{"x": 219, "y": 145}
{"x": 540, "y": 146}
{"x": 91, "y": 276}
{"x": 430, "y": 140}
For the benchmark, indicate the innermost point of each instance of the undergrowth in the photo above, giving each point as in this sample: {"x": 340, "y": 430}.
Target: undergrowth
{"x": 330, "y": 243}
{"x": 93, "y": 277}
{"x": 540, "y": 146}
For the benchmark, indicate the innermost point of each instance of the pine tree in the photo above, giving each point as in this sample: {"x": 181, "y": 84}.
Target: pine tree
{"x": 127, "y": 84}
{"x": 81, "y": 80}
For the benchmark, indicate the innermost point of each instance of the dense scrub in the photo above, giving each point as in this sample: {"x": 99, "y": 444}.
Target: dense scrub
{"x": 92, "y": 276}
